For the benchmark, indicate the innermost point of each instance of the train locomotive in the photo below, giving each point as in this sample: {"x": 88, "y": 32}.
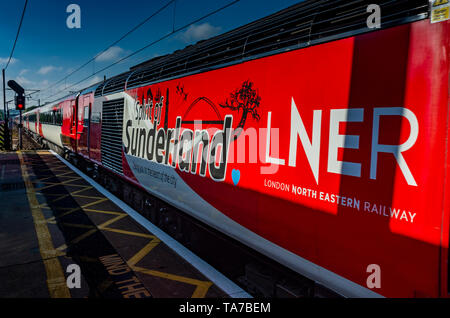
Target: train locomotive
{"x": 307, "y": 136}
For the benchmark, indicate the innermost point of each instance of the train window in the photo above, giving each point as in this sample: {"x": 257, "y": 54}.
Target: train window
{"x": 59, "y": 117}
{"x": 95, "y": 117}
{"x": 74, "y": 115}
{"x": 86, "y": 116}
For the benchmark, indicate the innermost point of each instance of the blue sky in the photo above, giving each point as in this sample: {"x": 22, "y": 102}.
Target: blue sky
{"x": 47, "y": 50}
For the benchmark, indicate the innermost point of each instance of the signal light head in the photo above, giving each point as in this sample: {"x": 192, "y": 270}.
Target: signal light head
{"x": 20, "y": 102}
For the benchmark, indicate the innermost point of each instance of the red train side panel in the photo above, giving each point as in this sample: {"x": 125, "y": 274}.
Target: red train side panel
{"x": 358, "y": 152}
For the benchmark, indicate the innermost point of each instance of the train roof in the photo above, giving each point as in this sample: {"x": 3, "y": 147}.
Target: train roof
{"x": 301, "y": 25}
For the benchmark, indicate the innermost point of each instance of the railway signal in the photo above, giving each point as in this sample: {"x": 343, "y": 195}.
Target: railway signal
{"x": 20, "y": 104}
{"x": 16, "y": 87}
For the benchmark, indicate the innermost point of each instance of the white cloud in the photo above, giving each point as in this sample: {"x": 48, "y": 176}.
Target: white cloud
{"x": 26, "y": 83}
{"x": 111, "y": 54}
{"x": 30, "y": 84}
{"x": 5, "y": 60}
{"x": 47, "y": 69}
{"x": 199, "y": 32}
{"x": 23, "y": 72}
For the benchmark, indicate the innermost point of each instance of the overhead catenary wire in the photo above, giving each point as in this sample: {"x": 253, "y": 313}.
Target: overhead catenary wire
{"x": 17, "y": 34}
{"x": 149, "y": 45}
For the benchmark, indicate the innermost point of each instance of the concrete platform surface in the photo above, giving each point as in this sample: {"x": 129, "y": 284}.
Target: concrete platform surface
{"x": 55, "y": 225}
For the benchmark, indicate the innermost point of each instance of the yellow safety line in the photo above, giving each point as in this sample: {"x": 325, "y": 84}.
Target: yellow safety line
{"x": 56, "y": 280}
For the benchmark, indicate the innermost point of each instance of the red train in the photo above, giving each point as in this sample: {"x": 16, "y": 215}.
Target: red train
{"x": 305, "y": 135}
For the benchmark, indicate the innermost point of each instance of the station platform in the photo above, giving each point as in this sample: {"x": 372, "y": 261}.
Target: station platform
{"x": 53, "y": 219}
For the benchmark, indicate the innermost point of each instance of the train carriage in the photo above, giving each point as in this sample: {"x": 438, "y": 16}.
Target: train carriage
{"x": 306, "y": 135}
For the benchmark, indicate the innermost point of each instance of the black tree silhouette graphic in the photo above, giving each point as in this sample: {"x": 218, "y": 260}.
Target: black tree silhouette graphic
{"x": 246, "y": 99}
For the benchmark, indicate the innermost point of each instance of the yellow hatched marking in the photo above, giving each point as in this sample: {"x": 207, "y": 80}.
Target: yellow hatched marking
{"x": 143, "y": 252}
{"x": 200, "y": 291}
{"x": 75, "y": 195}
{"x": 59, "y": 195}
{"x": 105, "y": 212}
{"x": 81, "y": 226}
{"x": 62, "y": 247}
{"x": 47, "y": 194}
{"x": 202, "y": 287}
{"x": 65, "y": 183}
{"x": 56, "y": 280}
{"x": 86, "y": 196}
{"x": 83, "y": 236}
{"x": 57, "y": 175}
{"x": 128, "y": 232}
{"x": 104, "y": 285}
{"x": 53, "y": 218}
{"x": 53, "y": 169}
{"x": 111, "y": 221}
{"x": 62, "y": 196}
{"x": 78, "y": 239}
{"x": 89, "y": 259}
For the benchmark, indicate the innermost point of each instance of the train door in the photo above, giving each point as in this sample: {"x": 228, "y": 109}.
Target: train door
{"x": 39, "y": 124}
{"x": 85, "y": 117}
{"x": 73, "y": 124}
